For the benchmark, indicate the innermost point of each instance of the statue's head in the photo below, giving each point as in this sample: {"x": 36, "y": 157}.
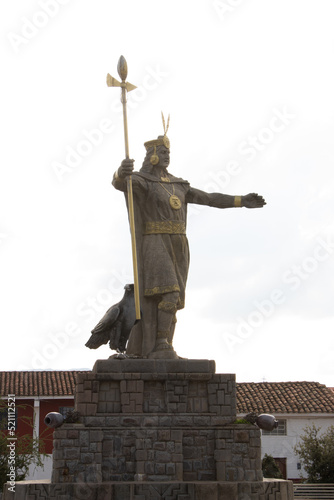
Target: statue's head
{"x": 157, "y": 155}
{"x": 158, "y": 150}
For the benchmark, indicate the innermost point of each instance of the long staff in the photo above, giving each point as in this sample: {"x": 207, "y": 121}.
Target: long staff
{"x": 122, "y": 69}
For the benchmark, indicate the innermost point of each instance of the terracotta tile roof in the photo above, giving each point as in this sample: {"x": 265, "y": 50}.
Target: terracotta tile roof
{"x": 284, "y": 397}
{"x": 48, "y": 383}
{"x": 262, "y": 397}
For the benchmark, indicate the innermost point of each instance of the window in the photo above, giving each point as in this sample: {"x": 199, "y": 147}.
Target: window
{"x": 279, "y": 431}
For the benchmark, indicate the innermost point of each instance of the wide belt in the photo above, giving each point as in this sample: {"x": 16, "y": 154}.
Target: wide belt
{"x": 165, "y": 227}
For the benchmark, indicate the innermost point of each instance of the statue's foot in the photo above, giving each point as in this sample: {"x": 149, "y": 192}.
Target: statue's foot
{"x": 166, "y": 354}
{"x": 163, "y": 350}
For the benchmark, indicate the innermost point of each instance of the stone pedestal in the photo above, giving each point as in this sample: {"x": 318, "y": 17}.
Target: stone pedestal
{"x": 157, "y": 429}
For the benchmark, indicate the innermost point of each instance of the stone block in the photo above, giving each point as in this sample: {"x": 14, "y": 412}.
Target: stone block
{"x": 112, "y": 421}
{"x": 254, "y": 453}
{"x": 170, "y": 470}
{"x": 91, "y": 408}
{"x": 225, "y": 410}
{"x": 183, "y": 421}
{"x": 190, "y": 452}
{"x": 162, "y": 457}
{"x": 125, "y": 398}
{"x": 206, "y": 476}
{"x": 255, "y": 442}
{"x": 170, "y": 447}
{"x": 159, "y": 469}
{"x": 202, "y": 421}
{"x": 86, "y": 458}
{"x": 159, "y": 445}
{"x": 231, "y": 474}
{"x": 176, "y": 435}
{"x": 223, "y": 455}
{"x": 250, "y": 475}
{"x": 71, "y": 454}
{"x": 95, "y": 386}
{"x": 95, "y": 421}
{"x": 165, "y": 421}
{"x": 241, "y": 436}
{"x": 60, "y": 433}
{"x": 164, "y": 434}
{"x": 72, "y": 433}
{"x": 221, "y": 397}
{"x": 190, "y": 476}
{"x": 214, "y": 409}
{"x": 67, "y": 443}
{"x": 130, "y": 421}
{"x": 141, "y": 455}
{"x": 179, "y": 471}
{"x": 212, "y": 388}
{"x": 229, "y": 491}
{"x": 151, "y": 421}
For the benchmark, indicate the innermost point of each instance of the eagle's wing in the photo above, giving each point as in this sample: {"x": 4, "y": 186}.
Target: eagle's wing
{"x": 107, "y": 321}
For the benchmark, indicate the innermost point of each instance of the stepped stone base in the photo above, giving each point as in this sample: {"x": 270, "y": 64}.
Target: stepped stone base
{"x": 154, "y": 429}
{"x": 260, "y": 490}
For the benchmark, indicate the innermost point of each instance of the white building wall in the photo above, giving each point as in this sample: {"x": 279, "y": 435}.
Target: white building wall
{"x": 40, "y": 473}
{"x": 282, "y": 446}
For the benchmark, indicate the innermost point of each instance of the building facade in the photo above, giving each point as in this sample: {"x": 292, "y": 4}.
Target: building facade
{"x": 296, "y": 405}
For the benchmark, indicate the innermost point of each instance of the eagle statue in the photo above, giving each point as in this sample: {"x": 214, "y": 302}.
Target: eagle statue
{"x": 116, "y": 324}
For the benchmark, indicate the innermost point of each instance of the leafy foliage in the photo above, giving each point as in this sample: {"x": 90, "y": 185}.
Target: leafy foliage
{"x": 270, "y": 467}
{"x": 316, "y": 453}
{"x": 28, "y": 450}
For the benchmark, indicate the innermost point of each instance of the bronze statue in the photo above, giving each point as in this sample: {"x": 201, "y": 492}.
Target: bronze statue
{"x": 160, "y": 208}
{"x": 157, "y": 206}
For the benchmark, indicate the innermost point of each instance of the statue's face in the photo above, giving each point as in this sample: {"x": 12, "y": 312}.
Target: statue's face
{"x": 164, "y": 156}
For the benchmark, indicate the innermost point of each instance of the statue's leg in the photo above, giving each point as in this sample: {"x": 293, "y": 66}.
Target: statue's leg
{"x": 166, "y": 313}
{"x": 172, "y": 330}
{"x": 143, "y": 334}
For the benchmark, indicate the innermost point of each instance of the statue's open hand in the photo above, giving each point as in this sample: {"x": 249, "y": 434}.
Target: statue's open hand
{"x": 126, "y": 168}
{"x": 253, "y": 200}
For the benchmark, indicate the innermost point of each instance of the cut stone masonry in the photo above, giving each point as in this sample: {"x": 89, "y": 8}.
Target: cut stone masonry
{"x": 156, "y": 429}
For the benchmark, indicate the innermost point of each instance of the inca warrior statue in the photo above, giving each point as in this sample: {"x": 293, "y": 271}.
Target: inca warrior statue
{"x": 159, "y": 203}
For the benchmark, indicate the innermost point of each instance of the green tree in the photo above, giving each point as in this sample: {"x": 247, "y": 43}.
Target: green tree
{"x": 270, "y": 467}
{"x": 18, "y": 454}
{"x": 316, "y": 453}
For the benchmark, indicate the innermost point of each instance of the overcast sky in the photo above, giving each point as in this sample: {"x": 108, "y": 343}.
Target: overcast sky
{"x": 249, "y": 88}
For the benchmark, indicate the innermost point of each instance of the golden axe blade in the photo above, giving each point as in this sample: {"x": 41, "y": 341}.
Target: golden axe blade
{"x": 112, "y": 82}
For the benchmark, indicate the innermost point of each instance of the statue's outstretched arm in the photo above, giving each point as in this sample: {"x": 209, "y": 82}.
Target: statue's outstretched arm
{"x": 219, "y": 200}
